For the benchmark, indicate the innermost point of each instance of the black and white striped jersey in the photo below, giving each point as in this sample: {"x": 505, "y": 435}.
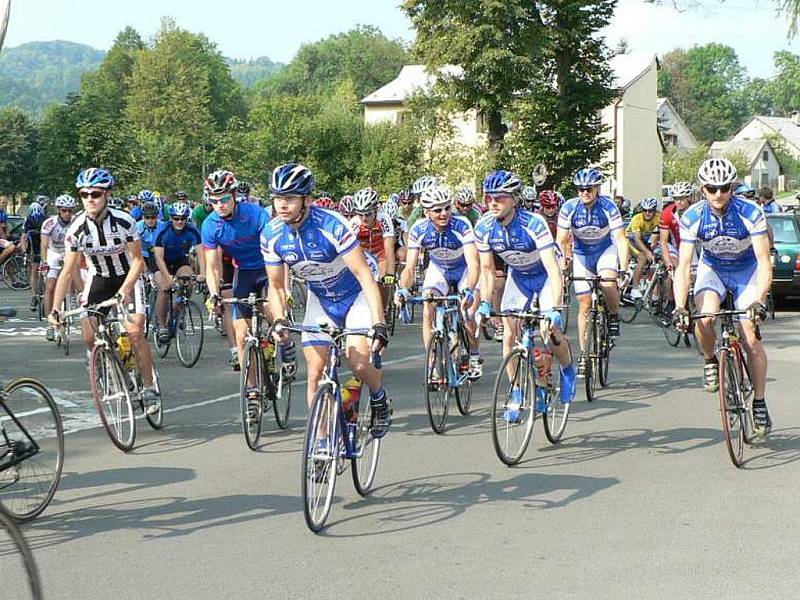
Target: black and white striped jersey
{"x": 105, "y": 244}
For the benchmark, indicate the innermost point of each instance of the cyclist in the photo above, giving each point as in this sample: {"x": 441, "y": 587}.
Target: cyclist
{"x": 464, "y": 205}
{"x": 243, "y": 193}
{"x": 525, "y": 243}
{"x": 32, "y": 234}
{"x": 341, "y": 288}
{"x": 235, "y": 228}
{"x": 449, "y": 241}
{"x": 375, "y": 232}
{"x": 406, "y": 203}
{"x": 681, "y": 193}
{"x": 766, "y": 198}
{"x": 345, "y": 207}
{"x": 598, "y": 246}
{"x": 182, "y": 196}
{"x": 110, "y": 242}
{"x": 549, "y": 203}
{"x": 745, "y": 191}
{"x": 171, "y": 249}
{"x": 147, "y": 229}
{"x": 54, "y": 230}
{"x": 134, "y": 207}
{"x": 201, "y": 211}
{"x": 529, "y": 198}
{"x": 419, "y": 186}
{"x": 642, "y": 235}
{"x": 735, "y": 258}
{"x": 392, "y": 212}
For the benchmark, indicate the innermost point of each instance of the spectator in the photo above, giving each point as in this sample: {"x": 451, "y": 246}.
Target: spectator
{"x": 766, "y": 198}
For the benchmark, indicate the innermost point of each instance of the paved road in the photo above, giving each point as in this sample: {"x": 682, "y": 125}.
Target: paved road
{"x": 639, "y": 500}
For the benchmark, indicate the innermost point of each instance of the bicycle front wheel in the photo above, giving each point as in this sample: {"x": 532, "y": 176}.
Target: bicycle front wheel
{"x": 555, "y": 417}
{"x": 112, "y": 397}
{"x": 189, "y": 334}
{"x": 512, "y": 429}
{"x": 320, "y": 449}
{"x": 591, "y": 352}
{"x": 31, "y": 449}
{"x": 437, "y": 388}
{"x": 731, "y": 406}
{"x": 156, "y": 420}
{"x": 20, "y": 575}
{"x": 251, "y": 389}
{"x": 464, "y": 391}
{"x": 282, "y": 390}
{"x": 365, "y": 463}
{"x": 603, "y": 349}
{"x": 15, "y": 273}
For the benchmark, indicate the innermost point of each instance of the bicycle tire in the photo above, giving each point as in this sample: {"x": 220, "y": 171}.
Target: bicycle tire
{"x": 567, "y": 304}
{"x": 33, "y": 584}
{"x": 318, "y": 469}
{"x": 40, "y": 295}
{"x": 590, "y": 354}
{"x": 503, "y": 431}
{"x": 365, "y": 463}
{"x": 464, "y": 392}
{"x": 161, "y": 349}
{"x": 189, "y": 335}
{"x": 15, "y": 273}
{"x": 731, "y": 407}
{"x": 629, "y": 309}
{"x": 40, "y": 473}
{"x": 554, "y": 419}
{"x": 251, "y": 426}
{"x": 603, "y": 349}
{"x": 437, "y": 389}
{"x": 282, "y": 392}
{"x": 156, "y": 420}
{"x": 110, "y": 393}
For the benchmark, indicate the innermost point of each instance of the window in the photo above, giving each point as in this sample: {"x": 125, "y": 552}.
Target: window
{"x": 785, "y": 229}
{"x": 765, "y": 155}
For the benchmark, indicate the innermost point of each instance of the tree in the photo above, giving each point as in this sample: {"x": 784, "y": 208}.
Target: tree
{"x": 789, "y": 8}
{"x": 785, "y": 87}
{"x": 107, "y": 88}
{"x": 17, "y": 151}
{"x": 58, "y": 157}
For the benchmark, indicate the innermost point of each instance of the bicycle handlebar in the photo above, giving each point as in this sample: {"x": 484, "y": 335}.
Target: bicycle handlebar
{"x": 726, "y": 313}
{"x": 95, "y": 308}
{"x": 423, "y": 299}
{"x": 248, "y": 301}
{"x": 334, "y": 332}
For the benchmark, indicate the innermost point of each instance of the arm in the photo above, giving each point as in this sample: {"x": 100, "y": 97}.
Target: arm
{"x": 355, "y": 261}
{"x": 622, "y": 247}
{"x": 663, "y": 241}
{"x": 487, "y": 277}
{"x": 213, "y": 262}
{"x": 136, "y": 268}
{"x": 201, "y": 260}
{"x": 561, "y": 241}
{"x": 473, "y": 265}
{"x": 388, "y": 250}
{"x": 407, "y": 275}
{"x": 44, "y": 242}
{"x": 683, "y": 273}
{"x": 277, "y": 290}
{"x": 64, "y": 281}
{"x": 764, "y": 269}
{"x": 553, "y": 275}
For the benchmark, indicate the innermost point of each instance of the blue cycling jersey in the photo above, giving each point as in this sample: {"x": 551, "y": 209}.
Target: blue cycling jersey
{"x": 3, "y": 216}
{"x": 519, "y": 243}
{"x": 239, "y": 235}
{"x": 445, "y": 247}
{"x": 772, "y": 208}
{"x": 136, "y": 213}
{"x": 725, "y": 240}
{"x": 148, "y": 236}
{"x": 177, "y": 244}
{"x": 591, "y": 227}
{"x": 314, "y": 252}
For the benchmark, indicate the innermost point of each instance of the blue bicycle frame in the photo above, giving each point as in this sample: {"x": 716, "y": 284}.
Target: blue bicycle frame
{"x": 447, "y": 320}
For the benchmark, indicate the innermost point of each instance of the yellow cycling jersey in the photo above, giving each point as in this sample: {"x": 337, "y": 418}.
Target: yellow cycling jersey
{"x": 644, "y": 226}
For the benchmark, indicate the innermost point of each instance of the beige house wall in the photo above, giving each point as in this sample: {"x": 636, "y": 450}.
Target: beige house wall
{"x": 382, "y": 113}
{"x": 755, "y": 130}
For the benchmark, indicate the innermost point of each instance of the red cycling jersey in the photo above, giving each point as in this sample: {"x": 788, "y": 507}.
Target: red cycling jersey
{"x": 371, "y": 238}
{"x": 671, "y": 221}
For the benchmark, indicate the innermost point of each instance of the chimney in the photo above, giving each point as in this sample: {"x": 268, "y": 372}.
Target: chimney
{"x": 796, "y": 117}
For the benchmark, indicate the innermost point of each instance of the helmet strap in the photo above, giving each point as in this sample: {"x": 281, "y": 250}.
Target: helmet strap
{"x": 301, "y": 216}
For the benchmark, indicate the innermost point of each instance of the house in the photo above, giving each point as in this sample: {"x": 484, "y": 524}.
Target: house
{"x": 764, "y": 169}
{"x": 635, "y": 160}
{"x": 674, "y": 131}
{"x": 786, "y": 128}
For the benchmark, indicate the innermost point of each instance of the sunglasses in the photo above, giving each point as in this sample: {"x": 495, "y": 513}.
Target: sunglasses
{"x": 713, "y": 189}
{"x": 149, "y": 218}
{"x": 497, "y": 197}
{"x": 221, "y": 200}
{"x": 93, "y": 194}
{"x": 585, "y": 189}
{"x": 178, "y": 218}
{"x": 441, "y": 209}
{"x": 650, "y": 210}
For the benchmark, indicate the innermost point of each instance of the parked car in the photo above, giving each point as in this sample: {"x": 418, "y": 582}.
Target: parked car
{"x": 786, "y": 258}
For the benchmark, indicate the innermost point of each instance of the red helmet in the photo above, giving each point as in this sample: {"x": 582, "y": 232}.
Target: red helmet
{"x": 325, "y": 202}
{"x": 549, "y": 199}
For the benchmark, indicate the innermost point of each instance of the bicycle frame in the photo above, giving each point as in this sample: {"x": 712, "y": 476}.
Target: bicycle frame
{"x": 16, "y": 459}
{"x": 446, "y": 320}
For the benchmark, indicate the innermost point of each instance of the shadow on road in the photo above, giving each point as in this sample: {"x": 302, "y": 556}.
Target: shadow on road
{"x": 781, "y": 447}
{"x": 425, "y": 501}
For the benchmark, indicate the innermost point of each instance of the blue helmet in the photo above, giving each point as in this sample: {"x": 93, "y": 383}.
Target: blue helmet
{"x": 180, "y": 209}
{"x": 36, "y": 212}
{"x": 146, "y": 196}
{"x": 745, "y": 190}
{"x": 501, "y": 182}
{"x": 95, "y": 178}
{"x": 292, "y": 179}
{"x": 588, "y": 178}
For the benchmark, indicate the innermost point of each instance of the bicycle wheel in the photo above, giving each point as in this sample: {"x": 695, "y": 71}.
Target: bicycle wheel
{"x": 437, "y": 388}
{"x": 20, "y": 575}
{"x": 603, "y": 349}
{"x": 40, "y": 296}
{"x": 282, "y": 390}
{"x": 156, "y": 420}
{"x": 672, "y": 335}
{"x": 31, "y": 448}
{"x": 464, "y": 391}
{"x": 112, "y": 398}
{"x": 590, "y": 358}
{"x": 771, "y": 306}
{"x": 15, "y": 273}
{"x": 628, "y": 308}
{"x": 365, "y": 463}
{"x": 567, "y": 304}
{"x": 189, "y": 334}
{"x": 299, "y": 299}
{"x": 63, "y": 332}
{"x": 252, "y": 377}
{"x": 511, "y": 436}
{"x": 555, "y": 417}
{"x": 318, "y": 469}
{"x": 161, "y": 349}
{"x": 731, "y": 405}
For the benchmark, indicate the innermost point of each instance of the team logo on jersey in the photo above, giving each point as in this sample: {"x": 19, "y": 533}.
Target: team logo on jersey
{"x": 290, "y": 257}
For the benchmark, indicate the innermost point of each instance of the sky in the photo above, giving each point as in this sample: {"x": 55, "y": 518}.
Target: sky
{"x": 252, "y": 28}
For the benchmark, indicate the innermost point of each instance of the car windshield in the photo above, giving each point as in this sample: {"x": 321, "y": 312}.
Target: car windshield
{"x": 785, "y": 230}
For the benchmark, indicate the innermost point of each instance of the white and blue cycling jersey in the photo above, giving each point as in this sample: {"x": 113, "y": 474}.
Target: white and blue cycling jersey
{"x": 772, "y": 208}
{"x": 726, "y": 241}
{"x": 591, "y": 227}
{"x": 446, "y": 247}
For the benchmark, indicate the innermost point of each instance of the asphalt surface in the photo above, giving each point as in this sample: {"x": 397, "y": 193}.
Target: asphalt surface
{"x": 639, "y": 499}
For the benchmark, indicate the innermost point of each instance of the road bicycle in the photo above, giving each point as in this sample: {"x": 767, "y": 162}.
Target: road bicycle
{"x": 655, "y": 300}
{"x": 333, "y": 438}
{"x": 114, "y": 375}
{"x": 16, "y": 269}
{"x": 566, "y": 275}
{"x": 38, "y": 294}
{"x": 20, "y": 574}
{"x": 264, "y": 381}
{"x": 447, "y": 371}
{"x": 185, "y": 322}
{"x": 526, "y": 378}
{"x": 31, "y": 448}
{"x": 390, "y": 309}
{"x": 597, "y": 344}
{"x": 735, "y": 387}
{"x": 299, "y": 289}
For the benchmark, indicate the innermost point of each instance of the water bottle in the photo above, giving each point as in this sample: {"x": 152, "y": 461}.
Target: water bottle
{"x": 351, "y": 393}
{"x": 124, "y": 350}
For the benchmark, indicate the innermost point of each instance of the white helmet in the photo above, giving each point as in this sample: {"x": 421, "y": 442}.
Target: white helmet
{"x": 65, "y": 201}
{"x": 649, "y": 204}
{"x": 391, "y": 209}
{"x": 365, "y": 201}
{"x": 435, "y": 196}
{"x": 680, "y": 189}
{"x": 465, "y": 195}
{"x": 716, "y": 171}
{"x": 423, "y": 183}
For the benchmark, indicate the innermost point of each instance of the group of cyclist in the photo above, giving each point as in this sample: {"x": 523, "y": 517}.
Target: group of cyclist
{"x": 509, "y": 253}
